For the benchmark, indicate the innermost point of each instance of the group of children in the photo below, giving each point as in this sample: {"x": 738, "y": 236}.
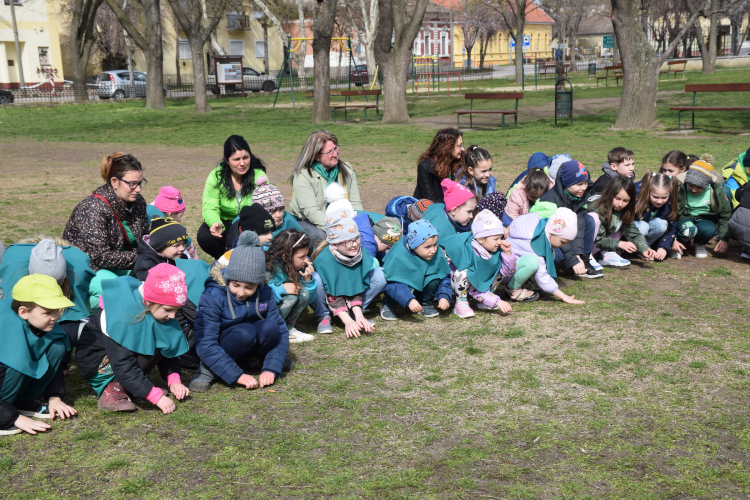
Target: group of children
{"x": 239, "y": 315}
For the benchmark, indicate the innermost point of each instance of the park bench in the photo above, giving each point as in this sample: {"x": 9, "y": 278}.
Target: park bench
{"x": 616, "y": 74}
{"x": 492, "y": 96}
{"x": 311, "y": 93}
{"x": 359, "y": 104}
{"x": 710, "y": 87}
{"x": 674, "y": 70}
{"x": 550, "y": 68}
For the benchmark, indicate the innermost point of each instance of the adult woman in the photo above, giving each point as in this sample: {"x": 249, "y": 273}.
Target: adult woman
{"x": 441, "y": 161}
{"x": 318, "y": 165}
{"x": 229, "y": 187}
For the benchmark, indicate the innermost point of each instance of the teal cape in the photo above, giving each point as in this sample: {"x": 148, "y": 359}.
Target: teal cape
{"x": 340, "y": 280}
{"x": 123, "y": 303}
{"x": 15, "y": 265}
{"x": 480, "y": 272}
{"x": 196, "y": 273}
{"x": 22, "y": 350}
{"x": 540, "y": 245}
{"x": 436, "y": 215}
{"x": 403, "y": 266}
{"x": 374, "y": 217}
{"x": 289, "y": 222}
{"x": 152, "y": 211}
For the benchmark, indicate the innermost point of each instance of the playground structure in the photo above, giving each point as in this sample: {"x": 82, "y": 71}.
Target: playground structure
{"x": 431, "y": 79}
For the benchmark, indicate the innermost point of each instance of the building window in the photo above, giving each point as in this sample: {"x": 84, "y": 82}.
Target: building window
{"x": 427, "y": 48}
{"x": 44, "y": 59}
{"x": 260, "y": 49}
{"x": 184, "y": 49}
{"x": 237, "y": 48}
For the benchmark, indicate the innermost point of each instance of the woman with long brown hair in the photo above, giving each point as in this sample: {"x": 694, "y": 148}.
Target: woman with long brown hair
{"x": 441, "y": 161}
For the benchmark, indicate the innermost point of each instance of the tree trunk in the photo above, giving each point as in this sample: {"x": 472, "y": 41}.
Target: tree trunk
{"x": 155, "y": 56}
{"x": 199, "y": 75}
{"x": 323, "y": 32}
{"x": 483, "y": 43}
{"x": 177, "y": 52}
{"x": 736, "y": 23}
{"x": 713, "y": 42}
{"x": 519, "y": 51}
{"x": 79, "y": 62}
{"x": 467, "y": 60}
{"x": 81, "y": 43}
{"x": 394, "y": 91}
{"x": 300, "y": 54}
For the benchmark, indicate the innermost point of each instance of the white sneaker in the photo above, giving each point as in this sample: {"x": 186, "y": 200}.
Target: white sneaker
{"x": 296, "y": 336}
{"x": 745, "y": 255}
{"x": 613, "y": 259}
{"x": 594, "y": 263}
{"x": 675, "y": 255}
{"x": 700, "y": 252}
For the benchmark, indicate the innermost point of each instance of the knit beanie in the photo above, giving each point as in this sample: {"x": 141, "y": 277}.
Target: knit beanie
{"x": 267, "y": 195}
{"x": 169, "y": 200}
{"x": 165, "y": 285}
{"x": 455, "y": 194}
{"x": 563, "y": 224}
{"x": 486, "y": 224}
{"x": 340, "y": 229}
{"x": 495, "y": 203}
{"x": 572, "y": 172}
{"x": 338, "y": 205}
{"x": 538, "y": 160}
{"x": 47, "y": 258}
{"x": 256, "y": 218}
{"x": 166, "y": 231}
{"x": 700, "y": 172}
{"x": 388, "y": 230}
{"x": 247, "y": 262}
{"x": 416, "y": 210}
{"x": 555, "y": 163}
{"x": 419, "y": 232}
{"x": 745, "y": 163}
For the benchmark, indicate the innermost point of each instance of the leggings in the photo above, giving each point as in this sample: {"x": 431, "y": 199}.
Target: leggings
{"x": 291, "y": 306}
{"x": 213, "y": 246}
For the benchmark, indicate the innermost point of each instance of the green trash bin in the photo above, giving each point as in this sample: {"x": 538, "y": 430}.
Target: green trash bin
{"x": 563, "y": 100}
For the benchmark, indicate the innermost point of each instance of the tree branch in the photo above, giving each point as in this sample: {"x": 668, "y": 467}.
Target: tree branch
{"x": 137, "y": 37}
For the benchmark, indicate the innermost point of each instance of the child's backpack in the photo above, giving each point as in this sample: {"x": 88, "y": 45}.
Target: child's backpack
{"x": 398, "y": 207}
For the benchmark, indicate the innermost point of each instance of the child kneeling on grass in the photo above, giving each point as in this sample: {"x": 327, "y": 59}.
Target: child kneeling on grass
{"x": 124, "y": 341}
{"x": 455, "y": 215}
{"x": 656, "y": 213}
{"x": 417, "y": 273}
{"x": 33, "y": 348}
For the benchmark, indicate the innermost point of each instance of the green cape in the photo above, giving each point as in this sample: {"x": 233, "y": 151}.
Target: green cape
{"x": 435, "y": 215}
{"x": 403, "y": 266}
{"x": 196, "y": 273}
{"x": 479, "y": 271}
{"x": 22, "y": 350}
{"x": 289, "y": 222}
{"x": 540, "y": 245}
{"x": 15, "y": 265}
{"x": 123, "y": 302}
{"x": 340, "y": 280}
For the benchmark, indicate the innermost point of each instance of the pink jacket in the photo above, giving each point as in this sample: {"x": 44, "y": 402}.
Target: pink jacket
{"x": 518, "y": 203}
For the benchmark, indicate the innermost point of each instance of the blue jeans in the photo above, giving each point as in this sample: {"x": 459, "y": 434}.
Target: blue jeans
{"x": 652, "y": 230}
{"x": 377, "y": 283}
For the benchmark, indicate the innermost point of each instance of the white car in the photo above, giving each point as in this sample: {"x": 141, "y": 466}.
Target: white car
{"x": 254, "y": 81}
{"x": 116, "y": 84}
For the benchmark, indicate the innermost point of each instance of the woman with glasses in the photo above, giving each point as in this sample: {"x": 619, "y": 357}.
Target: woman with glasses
{"x": 318, "y": 165}
{"x": 442, "y": 160}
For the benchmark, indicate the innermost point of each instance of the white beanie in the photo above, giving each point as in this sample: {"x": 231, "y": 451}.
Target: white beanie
{"x": 338, "y": 205}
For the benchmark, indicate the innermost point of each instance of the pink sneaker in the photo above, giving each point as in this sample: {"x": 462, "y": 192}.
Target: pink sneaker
{"x": 463, "y": 310}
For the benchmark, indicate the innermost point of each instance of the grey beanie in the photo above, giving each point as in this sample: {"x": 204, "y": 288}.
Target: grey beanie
{"x": 47, "y": 258}
{"x": 247, "y": 263}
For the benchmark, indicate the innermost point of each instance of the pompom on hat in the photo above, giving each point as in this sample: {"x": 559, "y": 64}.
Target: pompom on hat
{"x": 165, "y": 285}
{"x": 267, "y": 195}
{"x": 338, "y": 205}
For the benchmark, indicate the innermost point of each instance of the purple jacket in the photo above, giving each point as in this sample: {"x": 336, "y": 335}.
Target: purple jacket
{"x": 520, "y": 233}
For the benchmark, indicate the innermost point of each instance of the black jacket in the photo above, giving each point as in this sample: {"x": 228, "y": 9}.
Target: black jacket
{"x": 605, "y": 179}
{"x": 147, "y": 258}
{"x": 428, "y": 183}
{"x": 131, "y": 369}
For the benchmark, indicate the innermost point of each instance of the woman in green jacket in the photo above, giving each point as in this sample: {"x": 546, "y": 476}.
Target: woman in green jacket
{"x": 229, "y": 187}
{"x": 318, "y": 165}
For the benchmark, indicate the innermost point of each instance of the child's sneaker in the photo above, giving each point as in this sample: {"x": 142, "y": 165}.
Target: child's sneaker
{"x": 700, "y": 252}
{"x": 114, "y": 398}
{"x": 484, "y": 307}
{"x": 594, "y": 263}
{"x": 463, "y": 309}
{"x": 9, "y": 431}
{"x": 32, "y": 409}
{"x": 613, "y": 259}
{"x": 296, "y": 336}
{"x": 590, "y": 273}
{"x": 675, "y": 255}
{"x": 324, "y": 326}
{"x": 387, "y": 313}
{"x": 429, "y": 311}
{"x": 745, "y": 255}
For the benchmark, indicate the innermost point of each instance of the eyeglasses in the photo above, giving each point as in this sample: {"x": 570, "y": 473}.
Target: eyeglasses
{"x": 134, "y": 184}
{"x": 331, "y": 152}
{"x": 351, "y": 243}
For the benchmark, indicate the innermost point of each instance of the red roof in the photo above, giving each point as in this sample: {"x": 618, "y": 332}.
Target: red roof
{"x": 534, "y": 13}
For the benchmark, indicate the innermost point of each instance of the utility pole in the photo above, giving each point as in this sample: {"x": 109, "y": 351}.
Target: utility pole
{"x": 18, "y": 46}
{"x": 453, "y": 65}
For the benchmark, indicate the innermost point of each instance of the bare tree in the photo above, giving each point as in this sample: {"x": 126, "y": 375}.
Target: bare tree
{"x": 568, "y": 16}
{"x": 82, "y": 39}
{"x": 365, "y": 25}
{"x": 471, "y": 19}
{"x": 736, "y": 15}
{"x": 514, "y": 14}
{"x": 325, "y": 17}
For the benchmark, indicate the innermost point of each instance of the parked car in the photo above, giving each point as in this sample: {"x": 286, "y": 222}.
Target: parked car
{"x": 6, "y": 97}
{"x": 115, "y": 84}
{"x": 254, "y": 81}
{"x": 355, "y": 78}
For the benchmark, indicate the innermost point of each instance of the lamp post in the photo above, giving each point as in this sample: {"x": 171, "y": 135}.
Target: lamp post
{"x": 21, "y": 79}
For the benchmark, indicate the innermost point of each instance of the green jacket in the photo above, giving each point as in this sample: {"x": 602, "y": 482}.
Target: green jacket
{"x": 736, "y": 176}
{"x": 721, "y": 209}
{"x": 629, "y": 232}
{"x": 308, "y": 201}
{"x": 217, "y": 205}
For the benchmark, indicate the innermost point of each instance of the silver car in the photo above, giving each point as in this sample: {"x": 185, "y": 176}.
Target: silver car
{"x": 116, "y": 84}
{"x": 254, "y": 81}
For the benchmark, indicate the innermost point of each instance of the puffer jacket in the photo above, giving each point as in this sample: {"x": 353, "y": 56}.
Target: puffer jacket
{"x": 740, "y": 221}
{"x": 214, "y": 315}
{"x": 721, "y": 209}
{"x": 520, "y": 233}
{"x": 93, "y": 228}
{"x": 147, "y": 259}
{"x": 518, "y": 202}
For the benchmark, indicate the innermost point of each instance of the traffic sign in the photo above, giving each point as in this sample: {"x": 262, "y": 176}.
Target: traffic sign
{"x": 608, "y": 42}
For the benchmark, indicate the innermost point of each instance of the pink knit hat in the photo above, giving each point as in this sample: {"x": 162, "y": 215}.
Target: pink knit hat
{"x": 169, "y": 200}
{"x": 455, "y": 194}
{"x": 165, "y": 285}
{"x": 563, "y": 224}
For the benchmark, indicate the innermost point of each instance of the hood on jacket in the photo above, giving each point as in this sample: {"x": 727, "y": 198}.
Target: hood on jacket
{"x": 611, "y": 173}
{"x": 215, "y": 274}
{"x": 523, "y": 226}
{"x": 33, "y": 240}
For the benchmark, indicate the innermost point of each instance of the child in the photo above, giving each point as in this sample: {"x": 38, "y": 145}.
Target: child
{"x": 740, "y": 221}
{"x": 616, "y": 211}
{"x": 526, "y": 193}
{"x": 704, "y": 210}
{"x": 348, "y": 273}
{"x": 674, "y": 163}
{"x": 33, "y": 348}
{"x": 656, "y": 212}
{"x": 269, "y": 197}
{"x": 164, "y": 243}
{"x": 478, "y": 267}
{"x": 387, "y": 232}
{"x": 237, "y": 319}
{"x": 533, "y": 235}
{"x": 252, "y": 218}
{"x": 124, "y": 341}
{"x": 476, "y": 174}
{"x": 735, "y": 175}
{"x": 169, "y": 203}
{"x": 290, "y": 277}
{"x": 455, "y": 215}
{"x": 620, "y": 161}
{"x": 417, "y": 273}
{"x": 495, "y": 203}
{"x": 416, "y": 211}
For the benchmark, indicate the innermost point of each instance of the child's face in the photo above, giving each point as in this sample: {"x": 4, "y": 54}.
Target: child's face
{"x": 348, "y": 248}
{"x": 241, "y": 290}
{"x": 491, "y": 243}
{"x": 177, "y": 217}
{"x": 39, "y": 317}
{"x": 695, "y": 189}
{"x": 299, "y": 258}
{"x": 462, "y": 214}
{"x": 173, "y": 252}
{"x": 482, "y": 173}
{"x": 163, "y": 313}
{"x": 382, "y": 247}
{"x": 659, "y": 197}
{"x": 577, "y": 190}
{"x": 621, "y": 200}
{"x": 533, "y": 196}
{"x": 278, "y": 216}
{"x": 427, "y": 249}
{"x": 265, "y": 237}
{"x": 556, "y": 241}
{"x": 625, "y": 168}
{"x": 671, "y": 169}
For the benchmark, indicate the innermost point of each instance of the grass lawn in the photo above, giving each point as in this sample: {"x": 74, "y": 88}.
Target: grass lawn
{"x": 640, "y": 393}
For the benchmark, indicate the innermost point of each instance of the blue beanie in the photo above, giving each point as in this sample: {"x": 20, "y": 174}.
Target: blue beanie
{"x": 572, "y": 172}
{"x": 419, "y": 232}
{"x": 746, "y": 159}
{"x": 538, "y": 160}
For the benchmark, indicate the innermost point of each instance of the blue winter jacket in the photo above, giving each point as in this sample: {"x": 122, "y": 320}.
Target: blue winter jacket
{"x": 662, "y": 213}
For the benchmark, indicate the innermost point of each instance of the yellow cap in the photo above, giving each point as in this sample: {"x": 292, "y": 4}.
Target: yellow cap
{"x": 42, "y": 290}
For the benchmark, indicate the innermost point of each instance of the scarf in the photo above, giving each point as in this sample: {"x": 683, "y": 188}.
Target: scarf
{"x": 458, "y": 227}
{"x": 347, "y": 261}
{"x": 329, "y": 175}
{"x": 480, "y": 250}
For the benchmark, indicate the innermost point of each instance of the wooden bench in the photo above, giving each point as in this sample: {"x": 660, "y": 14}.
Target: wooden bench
{"x": 493, "y": 96}
{"x": 551, "y": 68}
{"x": 710, "y": 87}
{"x": 358, "y": 105}
{"x": 675, "y": 70}
{"x": 616, "y": 74}
{"x": 311, "y": 93}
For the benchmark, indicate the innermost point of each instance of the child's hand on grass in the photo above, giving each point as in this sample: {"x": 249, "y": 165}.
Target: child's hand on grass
{"x": 267, "y": 378}
{"x": 443, "y": 304}
{"x": 248, "y": 381}
{"x": 415, "y": 306}
{"x": 579, "y": 268}
{"x": 649, "y": 254}
{"x": 362, "y": 321}
{"x": 166, "y": 405}
{"x": 721, "y": 247}
{"x": 627, "y": 246}
{"x": 504, "y": 307}
{"x": 56, "y": 405}
{"x": 660, "y": 254}
{"x": 29, "y": 425}
{"x": 179, "y": 390}
{"x": 677, "y": 247}
{"x": 351, "y": 328}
